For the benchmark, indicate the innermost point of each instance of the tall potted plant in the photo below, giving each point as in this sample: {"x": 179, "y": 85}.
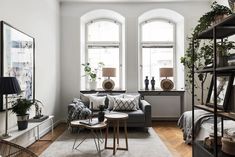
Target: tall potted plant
{"x": 20, "y": 107}
{"x": 92, "y": 74}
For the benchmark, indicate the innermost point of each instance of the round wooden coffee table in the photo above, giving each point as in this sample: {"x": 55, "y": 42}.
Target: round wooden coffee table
{"x": 94, "y": 130}
{"x": 115, "y": 119}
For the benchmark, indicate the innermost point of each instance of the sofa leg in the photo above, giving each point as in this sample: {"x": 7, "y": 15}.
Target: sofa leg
{"x": 146, "y": 129}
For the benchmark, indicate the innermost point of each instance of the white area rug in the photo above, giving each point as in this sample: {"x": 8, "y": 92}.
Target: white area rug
{"x": 141, "y": 144}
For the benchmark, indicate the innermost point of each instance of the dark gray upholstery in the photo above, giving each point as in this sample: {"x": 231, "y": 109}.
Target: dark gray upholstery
{"x": 139, "y": 118}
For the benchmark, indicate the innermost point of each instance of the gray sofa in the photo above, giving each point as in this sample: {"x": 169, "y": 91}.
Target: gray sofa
{"x": 139, "y": 118}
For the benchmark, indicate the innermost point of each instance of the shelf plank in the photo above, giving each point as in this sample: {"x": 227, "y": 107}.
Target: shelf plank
{"x": 207, "y": 70}
{"x": 224, "y": 29}
{"x": 204, "y": 107}
{"x": 226, "y": 69}
{"x": 229, "y": 115}
{"x": 207, "y": 108}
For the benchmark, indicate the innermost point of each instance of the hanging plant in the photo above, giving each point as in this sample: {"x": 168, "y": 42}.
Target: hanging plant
{"x": 204, "y": 50}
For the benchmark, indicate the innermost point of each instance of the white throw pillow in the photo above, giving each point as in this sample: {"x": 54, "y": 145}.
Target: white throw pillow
{"x": 136, "y": 98}
{"x": 111, "y": 100}
{"x": 96, "y": 100}
{"x": 124, "y": 104}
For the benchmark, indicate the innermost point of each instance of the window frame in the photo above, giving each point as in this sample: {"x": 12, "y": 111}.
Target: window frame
{"x": 156, "y": 44}
{"x": 118, "y": 44}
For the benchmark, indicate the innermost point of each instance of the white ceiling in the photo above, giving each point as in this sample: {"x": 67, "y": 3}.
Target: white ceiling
{"x": 132, "y": 1}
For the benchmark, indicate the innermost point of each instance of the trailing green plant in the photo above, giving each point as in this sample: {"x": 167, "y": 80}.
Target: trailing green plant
{"x": 92, "y": 73}
{"x": 21, "y": 106}
{"x": 204, "y": 50}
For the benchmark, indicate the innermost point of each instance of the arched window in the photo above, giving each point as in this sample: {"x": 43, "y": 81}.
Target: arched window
{"x": 103, "y": 44}
{"x": 157, "y": 48}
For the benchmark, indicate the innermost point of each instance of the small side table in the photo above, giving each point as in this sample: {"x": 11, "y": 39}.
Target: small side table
{"x": 115, "y": 119}
{"x": 93, "y": 129}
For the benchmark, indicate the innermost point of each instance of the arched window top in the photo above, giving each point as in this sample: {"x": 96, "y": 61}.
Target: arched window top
{"x": 158, "y": 31}
{"x": 101, "y": 30}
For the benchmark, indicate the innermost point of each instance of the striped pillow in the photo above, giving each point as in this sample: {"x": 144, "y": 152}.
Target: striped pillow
{"x": 125, "y": 104}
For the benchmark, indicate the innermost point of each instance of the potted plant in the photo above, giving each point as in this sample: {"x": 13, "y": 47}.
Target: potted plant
{"x": 203, "y": 51}
{"x": 38, "y": 109}
{"x": 101, "y": 113}
{"x": 92, "y": 74}
{"x": 20, "y": 107}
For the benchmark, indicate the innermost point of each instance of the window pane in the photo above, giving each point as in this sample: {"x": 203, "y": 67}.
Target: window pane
{"x": 110, "y": 57}
{"x": 158, "y": 31}
{"x": 103, "y": 31}
{"x": 153, "y": 60}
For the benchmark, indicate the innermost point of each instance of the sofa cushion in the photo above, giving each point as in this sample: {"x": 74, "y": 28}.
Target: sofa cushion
{"x": 96, "y": 101}
{"x": 85, "y": 98}
{"x": 137, "y": 116}
{"x": 125, "y": 104}
{"x": 111, "y": 100}
{"x": 136, "y": 96}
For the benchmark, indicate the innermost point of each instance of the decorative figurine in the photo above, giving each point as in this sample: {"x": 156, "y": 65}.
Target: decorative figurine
{"x": 146, "y": 81}
{"x": 153, "y": 83}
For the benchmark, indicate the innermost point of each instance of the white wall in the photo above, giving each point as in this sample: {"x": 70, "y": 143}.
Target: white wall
{"x": 70, "y": 38}
{"x": 40, "y": 19}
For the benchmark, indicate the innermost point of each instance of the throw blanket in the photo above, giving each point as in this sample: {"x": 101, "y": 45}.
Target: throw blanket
{"x": 77, "y": 110}
{"x": 185, "y": 123}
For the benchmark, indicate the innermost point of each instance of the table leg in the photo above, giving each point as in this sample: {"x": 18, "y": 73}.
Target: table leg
{"x": 106, "y": 136}
{"x": 101, "y": 139}
{"x": 125, "y": 127}
{"x": 38, "y": 132}
{"x": 52, "y": 127}
{"x": 77, "y": 139}
{"x": 117, "y": 133}
{"x": 94, "y": 138}
{"x": 114, "y": 137}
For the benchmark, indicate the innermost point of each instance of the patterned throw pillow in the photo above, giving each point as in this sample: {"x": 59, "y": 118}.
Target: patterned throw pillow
{"x": 135, "y": 96}
{"x": 123, "y": 104}
{"x": 111, "y": 100}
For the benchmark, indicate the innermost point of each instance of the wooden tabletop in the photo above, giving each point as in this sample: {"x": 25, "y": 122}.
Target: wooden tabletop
{"x": 96, "y": 126}
{"x": 116, "y": 116}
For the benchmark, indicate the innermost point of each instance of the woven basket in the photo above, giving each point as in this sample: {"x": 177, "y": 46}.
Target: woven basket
{"x": 228, "y": 146}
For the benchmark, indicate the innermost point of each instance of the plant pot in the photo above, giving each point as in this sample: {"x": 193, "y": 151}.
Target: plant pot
{"x": 92, "y": 85}
{"x": 232, "y": 5}
{"x": 101, "y": 116}
{"x": 221, "y": 60}
{"x": 22, "y": 121}
{"x": 218, "y": 18}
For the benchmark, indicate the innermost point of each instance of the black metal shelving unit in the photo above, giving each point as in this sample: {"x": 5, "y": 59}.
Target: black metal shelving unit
{"x": 220, "y": 31}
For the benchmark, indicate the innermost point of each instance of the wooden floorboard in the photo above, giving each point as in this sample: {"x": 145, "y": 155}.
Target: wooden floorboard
{"x": 39, "y": 146}
{"x": 169, "y": 133}
{"x": 172, "y": 136}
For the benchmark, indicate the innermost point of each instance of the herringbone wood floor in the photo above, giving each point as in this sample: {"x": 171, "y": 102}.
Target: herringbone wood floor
{"x": 170, "y": 134}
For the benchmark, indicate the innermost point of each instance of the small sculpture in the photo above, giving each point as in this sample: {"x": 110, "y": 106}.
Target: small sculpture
{"x": 146, "y": 81}
{"x": 153, "y": 83}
